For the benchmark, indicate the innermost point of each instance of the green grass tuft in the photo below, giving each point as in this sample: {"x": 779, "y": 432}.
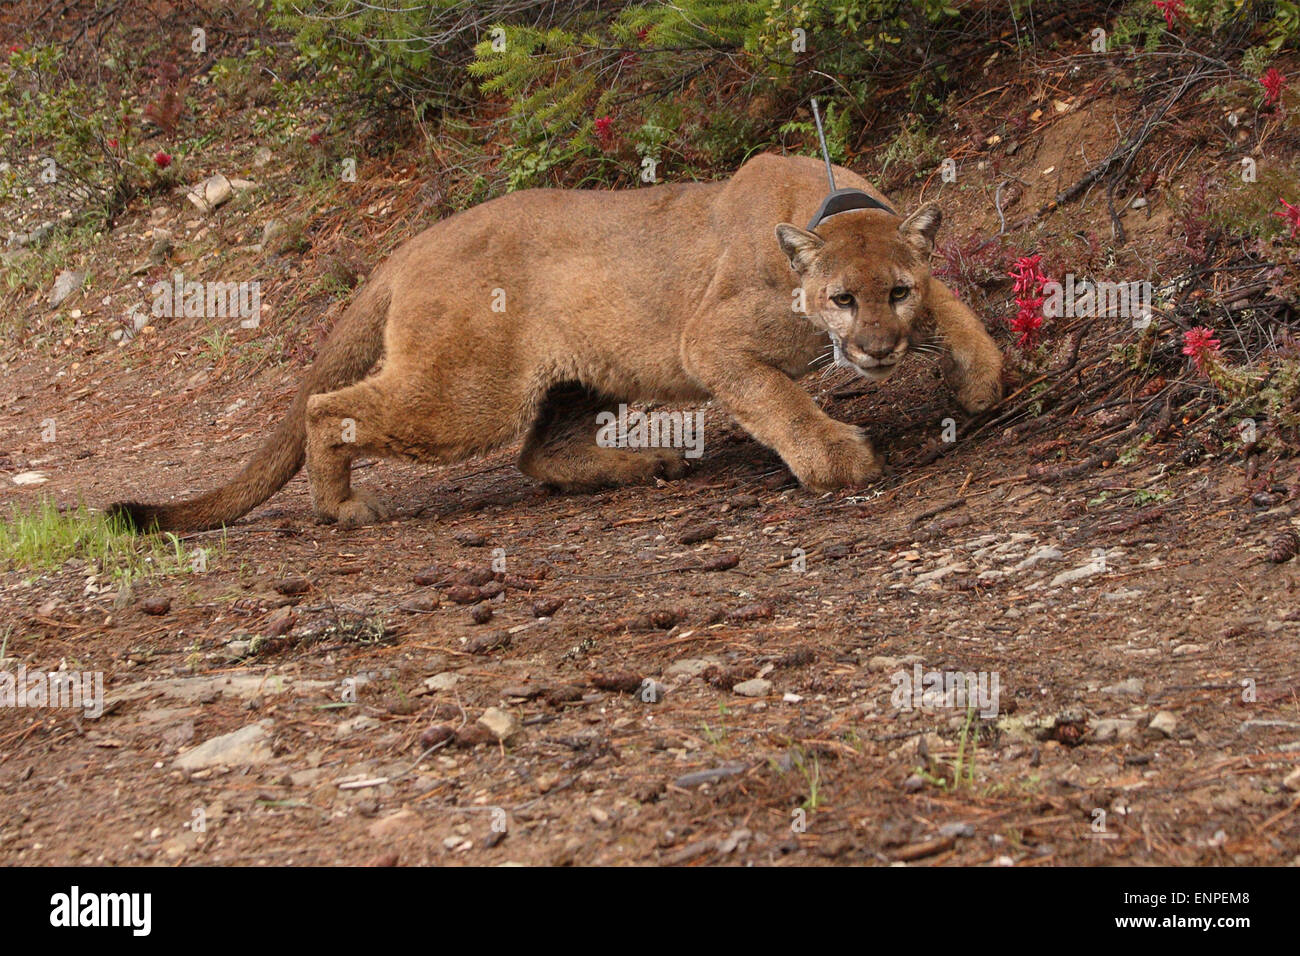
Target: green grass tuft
{"x": 46, "y": 538}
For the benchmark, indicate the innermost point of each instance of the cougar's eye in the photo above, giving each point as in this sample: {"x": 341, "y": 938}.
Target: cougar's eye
{"x": 843, "y": 299}
{"x": 899, "y": 292}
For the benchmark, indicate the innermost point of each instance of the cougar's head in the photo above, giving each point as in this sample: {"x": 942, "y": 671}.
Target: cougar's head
{"x": 864, "y": 276}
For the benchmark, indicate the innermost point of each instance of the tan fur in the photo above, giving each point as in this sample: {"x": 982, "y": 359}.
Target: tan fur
{"x": 675, "y": 293}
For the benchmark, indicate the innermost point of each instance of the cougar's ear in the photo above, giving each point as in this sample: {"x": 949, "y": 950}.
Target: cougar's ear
{"x": 920, "y": 228}
{"x": 799, "y": 245}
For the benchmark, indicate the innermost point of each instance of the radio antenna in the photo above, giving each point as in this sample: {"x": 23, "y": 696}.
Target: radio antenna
{"x": 839, "y": 200}
{"x": 821, "y": 136}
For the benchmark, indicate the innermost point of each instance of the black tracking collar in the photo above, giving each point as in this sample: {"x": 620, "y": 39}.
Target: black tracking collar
{"x": 842, "y": 200}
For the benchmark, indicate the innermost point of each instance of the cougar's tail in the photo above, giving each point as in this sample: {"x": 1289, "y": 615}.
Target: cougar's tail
{"x": 349, "y": 353}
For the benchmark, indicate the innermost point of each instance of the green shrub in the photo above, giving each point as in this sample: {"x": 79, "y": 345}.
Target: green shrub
{"x": 81, "y": 139}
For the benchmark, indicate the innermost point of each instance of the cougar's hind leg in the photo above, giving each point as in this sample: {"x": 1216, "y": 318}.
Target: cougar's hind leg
{"x": 416, "y": 414}
{"x": 561, "y": 447}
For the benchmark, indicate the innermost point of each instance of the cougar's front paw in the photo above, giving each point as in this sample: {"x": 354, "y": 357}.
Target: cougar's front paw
{"x": 846, "y": 460}
{"x": 977, "y": 384}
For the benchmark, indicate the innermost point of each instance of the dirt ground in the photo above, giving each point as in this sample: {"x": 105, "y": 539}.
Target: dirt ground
{"x": 708, "y": 671}
{"x": 945, "y": 566}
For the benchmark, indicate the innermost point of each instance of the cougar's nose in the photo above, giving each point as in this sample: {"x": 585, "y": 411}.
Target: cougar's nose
{"x": 878, "y": 346}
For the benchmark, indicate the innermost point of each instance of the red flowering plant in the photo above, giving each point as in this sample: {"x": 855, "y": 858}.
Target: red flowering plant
{"x": 161, "y": 168}
{"x": 1029, "y": 280}
{"x": 1290, "y": 215}
{"x": 1274, "y": 83}
{"x": 1172, "y": 10}
{"x": 1202, "y": 347}
{"x": 603, "y": 127}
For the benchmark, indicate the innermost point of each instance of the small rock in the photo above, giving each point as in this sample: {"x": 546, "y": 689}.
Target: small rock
{"x": 444, "y": 681}
{"x": 1113, "y": 729}
{"x": 937, "y": 574}
{"x": 698, "y": 777}
{"x": 244, "y": 747}
{"x": 501, "y": 724}
{"x": 687, "y": 667}
{"x": 1164, "y": 723}
{"x": 758, "y": 687}
{"x": 307, "y": 778}
{"x": 211, "y": 193}
{"x": 355, "y": 725}
{"x": 1038, "y": 557}
{"x": 1078, "y": 574}
{"x": 161, "y": 248}
{"x": 738, "y": 840}
{"x": 65, "y": 284}
{"x": 178, "y": 846}
{"x": 1133, "y": 687}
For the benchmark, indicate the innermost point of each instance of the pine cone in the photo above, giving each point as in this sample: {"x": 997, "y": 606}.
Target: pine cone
{"x": 1285, "y": 546}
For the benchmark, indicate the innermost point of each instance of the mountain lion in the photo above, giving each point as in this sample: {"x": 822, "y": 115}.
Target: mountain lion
{"x": 534, "y": 312}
